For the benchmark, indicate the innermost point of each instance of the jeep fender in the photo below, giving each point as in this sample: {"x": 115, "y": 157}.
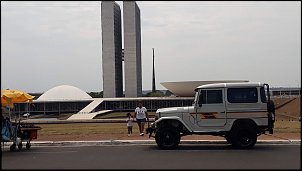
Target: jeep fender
{"x": 175, "y": 118}
{"x": 250, "y": 122}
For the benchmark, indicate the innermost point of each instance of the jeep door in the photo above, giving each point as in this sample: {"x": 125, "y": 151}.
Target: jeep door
{"x": 212, "y": 112}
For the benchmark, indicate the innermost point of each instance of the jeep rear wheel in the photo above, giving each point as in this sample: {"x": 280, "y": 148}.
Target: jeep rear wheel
{"x": 243, "y": 136}
{"x": 167, "y": 137}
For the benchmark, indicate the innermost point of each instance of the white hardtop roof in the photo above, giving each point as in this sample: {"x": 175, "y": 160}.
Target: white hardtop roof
{"x": 231, "y": 85}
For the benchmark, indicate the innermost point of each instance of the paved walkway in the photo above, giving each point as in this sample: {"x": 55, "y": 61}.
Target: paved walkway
{"x": 95, "y": 139}
{"x": 86, "y": 116}
{"x": 85, "y": 113}
{"x": 123, "y": 139}
{"x": 110, "y": 137}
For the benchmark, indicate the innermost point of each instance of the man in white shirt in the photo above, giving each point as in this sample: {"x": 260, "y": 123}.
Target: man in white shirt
{"x": 141, "y": 114}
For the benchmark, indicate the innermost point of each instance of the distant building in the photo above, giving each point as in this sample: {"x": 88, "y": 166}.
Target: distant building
{"x": 112, "y": 49}
{"x": 64, "y": 92}
{"x": 59, "y": 99}
{"x": 132, "y": 49}
{"x": 114, "y": 104}
{"x": 113, "y": 54}
{"x": 285, "y": 92}
{"x": 187, "y": 88}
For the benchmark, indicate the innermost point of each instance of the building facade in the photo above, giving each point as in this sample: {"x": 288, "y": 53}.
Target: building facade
{"x": 112, "y": 49}
{"x": 132, "y": 49}
{"x": 113, "y": 54}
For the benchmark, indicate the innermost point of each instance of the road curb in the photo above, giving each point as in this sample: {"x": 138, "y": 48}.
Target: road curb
{"x": 145, "y": 142}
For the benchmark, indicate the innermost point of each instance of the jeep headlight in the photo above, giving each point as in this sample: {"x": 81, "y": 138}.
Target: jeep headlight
{"x": 157, "y": 116}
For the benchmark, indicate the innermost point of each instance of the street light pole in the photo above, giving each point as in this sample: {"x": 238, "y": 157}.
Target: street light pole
{"x": 298, "y": 84}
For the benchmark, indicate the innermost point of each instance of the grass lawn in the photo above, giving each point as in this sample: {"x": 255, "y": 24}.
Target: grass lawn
{"x": 120, "y": 128}
{"x": 85, "y": 128}
{"x": 287, "y": 127}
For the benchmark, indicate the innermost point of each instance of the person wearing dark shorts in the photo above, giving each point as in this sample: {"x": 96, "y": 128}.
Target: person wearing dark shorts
{"x": 141, "y": 115}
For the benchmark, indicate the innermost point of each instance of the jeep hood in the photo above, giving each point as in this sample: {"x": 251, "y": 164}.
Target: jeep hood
{"x": 174, "y": 110}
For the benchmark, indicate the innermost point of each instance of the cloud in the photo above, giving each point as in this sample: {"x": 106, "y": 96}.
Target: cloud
{"x": 208, "y": 37}
{"x": 59, "y": 42}
{"x": 53, "y": 41}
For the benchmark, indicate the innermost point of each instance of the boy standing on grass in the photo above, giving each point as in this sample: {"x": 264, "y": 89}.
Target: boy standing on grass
{"x": 129, "y": 121}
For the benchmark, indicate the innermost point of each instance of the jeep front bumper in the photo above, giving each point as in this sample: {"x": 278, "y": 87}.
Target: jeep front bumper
{"x": 151, "y": 129}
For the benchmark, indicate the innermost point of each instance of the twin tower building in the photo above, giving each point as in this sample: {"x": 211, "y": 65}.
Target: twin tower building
{"x": 112, "y": 53}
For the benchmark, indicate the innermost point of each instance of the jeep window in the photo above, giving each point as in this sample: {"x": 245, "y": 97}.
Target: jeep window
{"x": 242, "y": 95}
{"x": 211, "y": 96}
{"x": 202, "y": 97}
{"x": 262, "y": 94}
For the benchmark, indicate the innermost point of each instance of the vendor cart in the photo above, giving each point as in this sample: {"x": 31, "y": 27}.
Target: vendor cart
{"x": 16, "y": 131}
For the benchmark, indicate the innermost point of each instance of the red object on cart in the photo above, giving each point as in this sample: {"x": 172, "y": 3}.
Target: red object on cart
{"x": 33, "y": 134}
{"x": 30, "y": 133}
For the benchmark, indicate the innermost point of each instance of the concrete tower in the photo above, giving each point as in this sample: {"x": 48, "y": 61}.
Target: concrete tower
{"x": 112, "y": 49}
{"x": 132, "y": 49}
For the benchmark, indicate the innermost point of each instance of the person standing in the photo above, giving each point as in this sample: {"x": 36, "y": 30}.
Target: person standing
{"x": 129, "y": 121}
{"x": 141, "y": 114}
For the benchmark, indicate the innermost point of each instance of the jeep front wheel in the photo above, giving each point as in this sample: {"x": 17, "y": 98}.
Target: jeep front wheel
{"x": 167, "y": 137}
{"x": 243, "y": 136}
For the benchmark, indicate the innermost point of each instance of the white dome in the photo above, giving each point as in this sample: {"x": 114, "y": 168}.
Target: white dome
{"x": 64, "y": 92}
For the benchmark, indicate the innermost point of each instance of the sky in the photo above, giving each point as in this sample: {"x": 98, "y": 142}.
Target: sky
{"x": 45, "y": 44}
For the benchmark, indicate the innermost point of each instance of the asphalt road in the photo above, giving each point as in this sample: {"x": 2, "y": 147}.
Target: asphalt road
{"x": 141, "y": 157}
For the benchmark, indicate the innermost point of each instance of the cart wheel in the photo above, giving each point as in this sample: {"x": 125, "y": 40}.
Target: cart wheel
{"x": 20, "y": 145}
{"x": 13, "y": 147}
{"x": 28, "y": 146}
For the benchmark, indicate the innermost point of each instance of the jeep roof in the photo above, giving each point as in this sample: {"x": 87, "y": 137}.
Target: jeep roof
{"x": 223, "y": 85}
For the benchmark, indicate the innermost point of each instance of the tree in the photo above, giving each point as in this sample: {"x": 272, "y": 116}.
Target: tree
{"x": 96, "y": 94}
{"x": 158, "y": 93}
{"x": 168, "y": 93}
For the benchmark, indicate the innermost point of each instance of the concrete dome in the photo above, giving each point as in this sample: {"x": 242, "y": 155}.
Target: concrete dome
{"x": 64, "y": 92}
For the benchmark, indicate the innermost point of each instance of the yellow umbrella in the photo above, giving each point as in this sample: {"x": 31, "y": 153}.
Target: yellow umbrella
{"x": 8, "y": 97}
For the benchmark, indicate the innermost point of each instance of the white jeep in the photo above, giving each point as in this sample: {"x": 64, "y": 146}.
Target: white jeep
{"x": 237, "y": 111}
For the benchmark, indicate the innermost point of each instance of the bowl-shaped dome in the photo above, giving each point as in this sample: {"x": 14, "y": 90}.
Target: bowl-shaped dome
{"x": 187, "y": 88}
{"x": 64, "y": 92}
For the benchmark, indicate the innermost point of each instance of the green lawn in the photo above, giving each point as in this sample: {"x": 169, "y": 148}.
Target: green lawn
{"x": 85, "y": 128}
{"x": 287, "y": 127}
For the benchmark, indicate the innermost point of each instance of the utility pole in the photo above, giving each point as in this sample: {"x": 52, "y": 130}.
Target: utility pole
{"x": 153, "y": 80}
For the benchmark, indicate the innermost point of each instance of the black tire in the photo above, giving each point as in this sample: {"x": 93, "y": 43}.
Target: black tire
{"x": 243, "y": 136}
{"x": 20, "y": 146}
{"x": 28, "y": 145}
{"x": 167, "y": 137}
{"x": 271, "y": 107}
{"x": 13, "y": 147}
{"x": 271, "y": 110}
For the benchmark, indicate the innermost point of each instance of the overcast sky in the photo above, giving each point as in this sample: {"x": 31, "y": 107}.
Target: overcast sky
{"x": 50, "y": 43}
